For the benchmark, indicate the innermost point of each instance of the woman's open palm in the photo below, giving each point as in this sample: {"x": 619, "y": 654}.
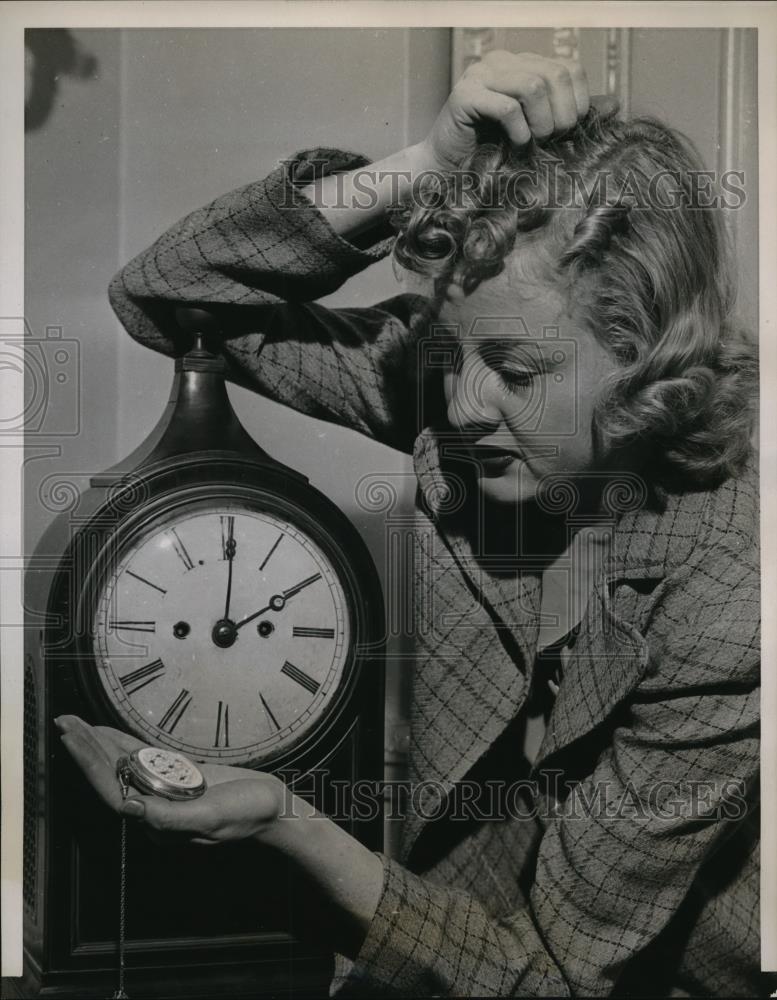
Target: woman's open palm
{"x": 237, "y": 803}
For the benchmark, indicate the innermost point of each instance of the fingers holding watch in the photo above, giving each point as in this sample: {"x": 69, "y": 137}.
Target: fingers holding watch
{"x": 231, "y": 804}
{"x": 232, "y": 810}
{"x": 94, "y": 755}
{"x": 115, "y": 737}
{"x": 106, "y": 740}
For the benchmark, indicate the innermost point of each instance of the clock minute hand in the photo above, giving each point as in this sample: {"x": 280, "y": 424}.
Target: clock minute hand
{"x": 278, "y": 601}
{"x": 230, "y": 548}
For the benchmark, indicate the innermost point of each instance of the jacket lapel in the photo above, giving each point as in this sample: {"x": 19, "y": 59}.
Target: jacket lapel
{"x": 608, "y": 659}
{"x": 467, "y": 687}
{"x": 611, "y": 654}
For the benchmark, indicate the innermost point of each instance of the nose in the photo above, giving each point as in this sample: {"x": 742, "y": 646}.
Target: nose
{"x": 473, "y": 396}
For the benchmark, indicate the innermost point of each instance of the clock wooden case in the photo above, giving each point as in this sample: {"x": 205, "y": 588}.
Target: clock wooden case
{"x": 205, "y": 598}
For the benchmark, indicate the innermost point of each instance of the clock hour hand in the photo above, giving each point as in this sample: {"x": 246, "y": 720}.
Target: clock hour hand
{"x": 300, "y": 586}
{"x": 278, "y": 601}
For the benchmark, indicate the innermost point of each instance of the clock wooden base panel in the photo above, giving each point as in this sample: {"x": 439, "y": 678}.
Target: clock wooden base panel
{"x": 307, "y": 980}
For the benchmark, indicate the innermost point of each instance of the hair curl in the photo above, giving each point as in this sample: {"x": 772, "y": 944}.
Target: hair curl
{"x": 610, "y": 213}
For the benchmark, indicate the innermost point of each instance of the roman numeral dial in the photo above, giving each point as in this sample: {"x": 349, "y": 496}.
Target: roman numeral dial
{"x": 176, "y": 711}
{"x": 131, "y": 626}
{"x": 180, "y": 550}
{"x": 300, "y": 677}
{"x": 137, "y": 679}
{"x": 271, "y": 720}
{"x": 303, "y": 632}
{"x": 222, "y": 726}
{"x": 224, "y": 632}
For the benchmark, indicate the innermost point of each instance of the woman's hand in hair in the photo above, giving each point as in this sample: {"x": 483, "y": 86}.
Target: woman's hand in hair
{"x": 527, "y": 95}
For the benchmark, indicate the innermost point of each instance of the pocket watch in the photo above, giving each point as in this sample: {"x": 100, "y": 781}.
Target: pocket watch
{"x": 156, "y": 771}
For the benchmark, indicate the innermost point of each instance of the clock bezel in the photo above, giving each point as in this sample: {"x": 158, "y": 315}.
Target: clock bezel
{"x": 289, "y": 497}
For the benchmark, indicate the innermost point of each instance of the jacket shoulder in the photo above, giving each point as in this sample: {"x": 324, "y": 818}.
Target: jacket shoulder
{"x": 731, "y": 513}
{"x": 682, "y": 526}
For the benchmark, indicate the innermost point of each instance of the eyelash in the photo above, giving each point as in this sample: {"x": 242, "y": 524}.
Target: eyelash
{"x": 515, "y": 382}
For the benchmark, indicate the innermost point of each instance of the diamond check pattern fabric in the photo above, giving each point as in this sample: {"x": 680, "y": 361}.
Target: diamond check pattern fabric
{"x": 634, "y": 868}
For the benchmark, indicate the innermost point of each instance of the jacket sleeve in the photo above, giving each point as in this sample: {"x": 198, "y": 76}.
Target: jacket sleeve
{"x": 621, "y": 853}
{"x": 256, "y": 258}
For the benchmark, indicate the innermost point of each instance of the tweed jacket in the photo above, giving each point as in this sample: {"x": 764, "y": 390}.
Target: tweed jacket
{"x": 635, "y": 869}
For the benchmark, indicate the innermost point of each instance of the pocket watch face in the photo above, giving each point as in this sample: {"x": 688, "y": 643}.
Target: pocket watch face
{"x": 222, "y": 632}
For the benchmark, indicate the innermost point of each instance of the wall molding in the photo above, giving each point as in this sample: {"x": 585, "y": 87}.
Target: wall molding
{"x": 469, "y": 46}
{"x": 737, "y": 136}
{"x": 732, "y": 98}
{"x": 617, "y": 66}
{"x": 566, "y": 43}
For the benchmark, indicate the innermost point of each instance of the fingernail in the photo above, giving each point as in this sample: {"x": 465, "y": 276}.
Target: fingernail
{"x": 63, "y": 721}
{"x": 134, "y": 809}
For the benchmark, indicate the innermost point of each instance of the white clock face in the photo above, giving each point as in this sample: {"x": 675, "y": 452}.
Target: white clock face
{"x": 222, "y": 632}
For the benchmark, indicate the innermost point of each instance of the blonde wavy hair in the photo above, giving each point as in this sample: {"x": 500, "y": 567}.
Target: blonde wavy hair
{"x": 613, "y": 215}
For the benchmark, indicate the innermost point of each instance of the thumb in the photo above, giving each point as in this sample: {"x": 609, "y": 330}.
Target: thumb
{"x": 170, "y": 816}
{"x": 133, "y": 808}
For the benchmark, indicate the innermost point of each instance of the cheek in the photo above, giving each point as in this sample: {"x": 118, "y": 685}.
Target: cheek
{"x": 579, "y": 404}
{"x": 546, "y": 408}
{"x": 449, "y": 387}
{"x": 558, "y": 416}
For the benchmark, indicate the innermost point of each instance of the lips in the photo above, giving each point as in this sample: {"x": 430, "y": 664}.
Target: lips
{"x": 492, "y": 461}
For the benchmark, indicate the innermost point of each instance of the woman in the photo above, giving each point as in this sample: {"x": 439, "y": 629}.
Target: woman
{"x": 590, "y": 418}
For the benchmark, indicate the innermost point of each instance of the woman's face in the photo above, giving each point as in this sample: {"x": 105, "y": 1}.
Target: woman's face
{"x": 523, "y": 389}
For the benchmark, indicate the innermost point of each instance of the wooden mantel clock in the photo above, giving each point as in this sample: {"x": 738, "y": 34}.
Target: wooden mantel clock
{"x": 209, "y": 600}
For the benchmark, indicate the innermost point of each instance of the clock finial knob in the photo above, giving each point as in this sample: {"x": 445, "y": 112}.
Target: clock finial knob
{"x": 199, "y": 417}
{"x": 201, "y": 326}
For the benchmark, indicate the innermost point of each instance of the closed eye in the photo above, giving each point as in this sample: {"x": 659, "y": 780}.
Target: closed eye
{"x": 506, "y": 363}
{"x": 514, "y": 366}
{"x": 515, "y": 380}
